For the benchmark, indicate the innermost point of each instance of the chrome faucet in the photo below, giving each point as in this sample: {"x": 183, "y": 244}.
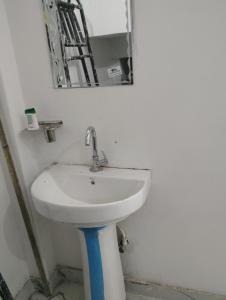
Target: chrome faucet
{"x": 98, "y": 163}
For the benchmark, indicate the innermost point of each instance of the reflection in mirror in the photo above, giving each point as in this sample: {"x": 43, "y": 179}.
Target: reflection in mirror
{"x": 90, "y": 42}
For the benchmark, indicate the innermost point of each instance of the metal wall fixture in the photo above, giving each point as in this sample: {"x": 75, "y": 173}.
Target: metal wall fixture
{"x": 49, "y": 128}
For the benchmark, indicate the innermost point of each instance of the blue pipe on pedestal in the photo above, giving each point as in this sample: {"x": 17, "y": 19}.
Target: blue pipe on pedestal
{"x": 95, "y": 262}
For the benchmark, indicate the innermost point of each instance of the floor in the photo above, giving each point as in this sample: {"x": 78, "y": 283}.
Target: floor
{"x": 72, "y": 291}
{"x": 68, "y": 282}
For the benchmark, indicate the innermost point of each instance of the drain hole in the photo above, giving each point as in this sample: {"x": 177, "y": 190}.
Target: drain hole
{"x": 92, "y": 181}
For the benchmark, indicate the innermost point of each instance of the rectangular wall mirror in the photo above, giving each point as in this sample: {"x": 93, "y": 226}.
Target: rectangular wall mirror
{"x": 90, "y": 42}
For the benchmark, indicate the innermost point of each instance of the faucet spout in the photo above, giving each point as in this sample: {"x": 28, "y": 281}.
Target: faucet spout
{"x": 91, "y": 137}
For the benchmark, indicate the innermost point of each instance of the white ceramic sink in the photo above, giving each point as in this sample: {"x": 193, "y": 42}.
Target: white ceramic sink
{"x": 94, "y": 203}
{"x": 73, "y": 194}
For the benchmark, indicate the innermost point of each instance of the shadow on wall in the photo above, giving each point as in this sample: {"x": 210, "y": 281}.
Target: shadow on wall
{"x": 14, "y": 241}
{"x": 12, "y": 230}
{"x": 11, "y": 219}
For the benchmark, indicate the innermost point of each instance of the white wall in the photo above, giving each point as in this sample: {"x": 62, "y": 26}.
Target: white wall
{"x": 12, "y": 254}
{"x": 11, "y": 112}
{"x": 15, "y": 252}
{"x": 172, "y": 120}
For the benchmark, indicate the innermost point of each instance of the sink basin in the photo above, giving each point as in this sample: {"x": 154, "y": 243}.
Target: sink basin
{"x": 93, "y": 203}
{"x": 73, "y": 194}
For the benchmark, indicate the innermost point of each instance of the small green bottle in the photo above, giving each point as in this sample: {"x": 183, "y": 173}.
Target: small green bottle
{"x": 32, "y": 121}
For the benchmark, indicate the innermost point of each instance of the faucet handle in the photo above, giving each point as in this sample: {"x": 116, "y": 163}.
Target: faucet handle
{"x": 104, "y": 161}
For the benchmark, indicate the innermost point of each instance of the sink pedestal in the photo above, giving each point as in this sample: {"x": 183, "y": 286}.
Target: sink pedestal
{"x": 102, "y": 269}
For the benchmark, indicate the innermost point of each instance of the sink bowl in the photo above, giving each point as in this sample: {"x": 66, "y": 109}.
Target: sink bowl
{"x": 73, "y": 194}
{"x": 93, "y": 203}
